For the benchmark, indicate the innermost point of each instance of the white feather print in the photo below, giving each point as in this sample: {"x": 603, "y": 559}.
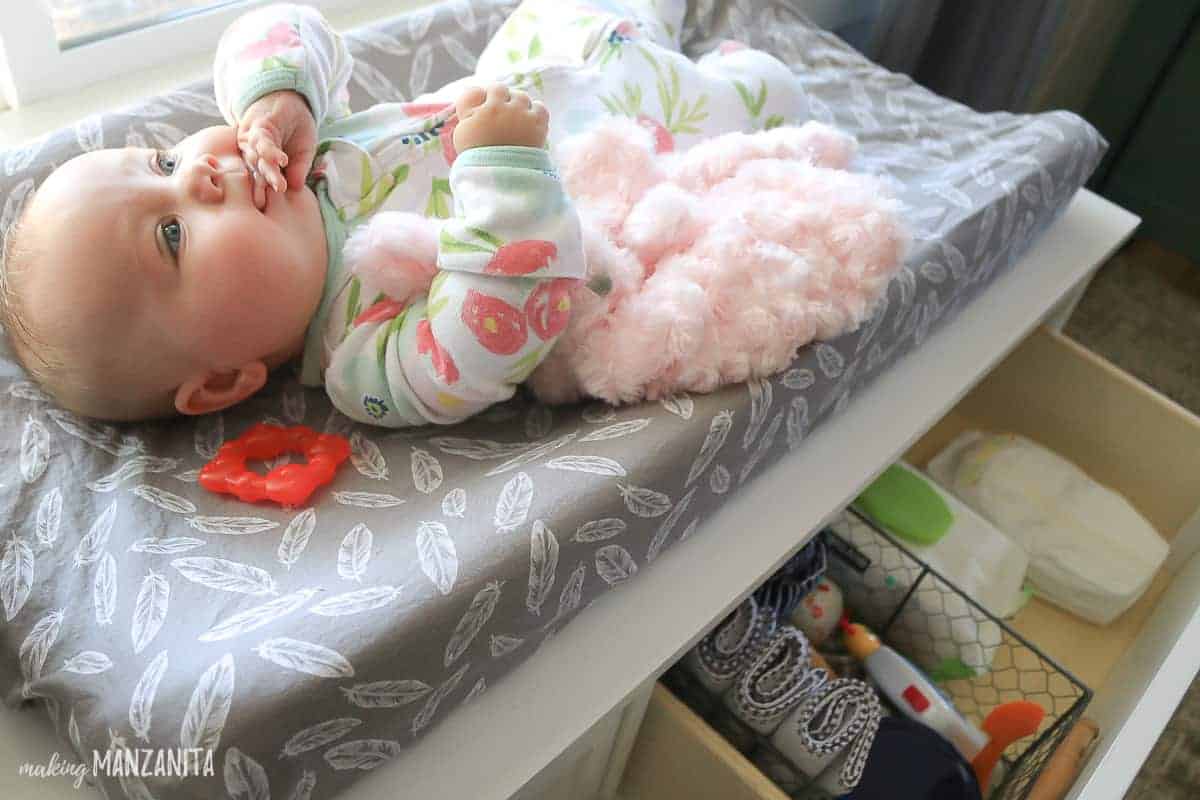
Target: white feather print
{"x": 479, "y": 688}
{"x": 595, "y": 465}
{"x": 714, "y": 440}
{"x": 419, "y": 23}
{"x": 49, "y": 517}
{"x": 356, "y": 602}
{"x": 355, "y": 553}
{"x": 386, "y": 694}
{"x": 89, "y": 132}
{"x": 92, "y": 545}
{"x": 719, "y": 479}
{"x": 797, "y": 422}
{"x": 764, "y": 446}
{"x": 614, "y": 564}
{"x": 572, "y": 592}
{"x": 762, "y": 395}
{"x": 295, "y": 406}
{"x": 150, "y": 610}
{"x": 368, "y": 458}
{"x": 307, "y": 657}
{"x": 599, "y": 413}
{"x": 367, "y": 499}
{"x": 477, "y": 449}
{"x": 933, "y": 272}
{"x": 104, "y": 589}
{"x": 461, "y": 55}
{"x": 668, "y": 525}
{"x": 16, "y": 575}
{"x": 15, "y": 203}
{"x": 906, "y": 283}
{"x": 339, "y": 423}
{"x": 245, "y": 778}
{"x": 19, "y": 158}
{"x": 134, "y": 787}
{"x": 644, "y": 502}
{"x": 512, "y": 508}
{"x": 136, "y": 465}
{"x": 141, "y": 705}
{"x": 165, "y": 134}
{"x": 454, "y": 504}
{"x": 364, "y": 754}
{"x": 375, "y": 83}
{"x": 89, "y": 662}
{"x": 304, "y": 788}
{"x": 954, "y": 259}
{"x": 35, "y": 450}
{"x": 532, "y": 454}
{"x": 228, "y": 576}
{"x": 543, "y": 564}
{"x": 319, "y": 735}
{"x": 73, "y": 735}
{"x": 464, "y": 15}
{"x": 189, "y": 476}
{"x": 616, "y": 430}
{"x": 689, "y": 530}
{"x": 36, "y": 646}
{"x": 472, "y": 622}
{"x": 296, "y": 536}
{"x": 254, "y": 618}
{"x": 26, "y": 390}
{"x": 431, "y": 705}
{"x": 231, "y": 526}
{"x": 209, "y": 435}
{"x": 829, "y": 360}
{"x": 599, "y": 529}
{"x": 167, "y": 501}
{"x": 418, "y": 72}
{"x": 679, "y": 404}
{"x": 538, "y": 421}
{"x": 503, "y": 644}
{"x": 175, "y": 544}
{"x": 103, "y": 437}
{"x": 426, "y": 471}
{"x": 438, "y": 556}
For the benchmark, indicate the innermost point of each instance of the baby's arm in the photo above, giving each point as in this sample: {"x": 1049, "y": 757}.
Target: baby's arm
{"x": 507, "y": 260}
{"x": 281, "y": 72}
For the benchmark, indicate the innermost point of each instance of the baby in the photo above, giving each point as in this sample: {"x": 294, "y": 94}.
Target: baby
{"x": 143, "y": 283}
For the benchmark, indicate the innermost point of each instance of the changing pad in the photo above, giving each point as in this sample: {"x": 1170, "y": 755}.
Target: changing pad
{"x": 306, "y": 646}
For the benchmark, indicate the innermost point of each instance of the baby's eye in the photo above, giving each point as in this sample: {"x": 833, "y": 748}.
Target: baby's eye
{"x": 172, "y": 234}
{"x": 166, "y": 162}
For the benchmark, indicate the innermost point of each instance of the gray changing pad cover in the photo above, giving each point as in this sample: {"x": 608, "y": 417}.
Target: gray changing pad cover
{"x": 307, "y": 645}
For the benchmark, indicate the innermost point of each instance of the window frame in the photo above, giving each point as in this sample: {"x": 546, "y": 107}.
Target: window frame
{"x": 33, "y": 68}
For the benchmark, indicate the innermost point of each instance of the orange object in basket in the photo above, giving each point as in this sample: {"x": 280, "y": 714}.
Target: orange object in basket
{"x": 288, "y": 484}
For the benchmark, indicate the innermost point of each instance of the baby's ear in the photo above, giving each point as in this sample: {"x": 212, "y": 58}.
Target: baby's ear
{"x": 213, "y": 391}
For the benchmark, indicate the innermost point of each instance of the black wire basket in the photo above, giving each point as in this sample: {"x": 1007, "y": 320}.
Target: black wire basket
{"x": 976, "y": 659}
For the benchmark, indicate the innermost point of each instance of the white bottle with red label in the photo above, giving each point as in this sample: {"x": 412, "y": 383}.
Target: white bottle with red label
{"x": 910, "y": 691}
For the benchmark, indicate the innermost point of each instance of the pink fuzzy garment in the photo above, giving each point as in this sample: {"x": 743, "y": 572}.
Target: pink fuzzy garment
{"x": 720, "y": 262}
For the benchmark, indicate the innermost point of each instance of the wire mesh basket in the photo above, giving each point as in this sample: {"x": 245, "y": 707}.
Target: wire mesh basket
{"x": 976, "y": 659}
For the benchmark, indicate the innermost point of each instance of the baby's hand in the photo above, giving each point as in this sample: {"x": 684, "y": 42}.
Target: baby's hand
{"x": 499, "y": 116}
{"x": 278, "y": 131}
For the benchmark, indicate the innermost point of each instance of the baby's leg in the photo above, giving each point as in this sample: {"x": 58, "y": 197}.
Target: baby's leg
{"x": 466, "y": 345}
{"x": 540, "y": 33}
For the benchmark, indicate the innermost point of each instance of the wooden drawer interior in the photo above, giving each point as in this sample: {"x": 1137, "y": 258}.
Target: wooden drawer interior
{"x": 1118, "y": 430}
{"x": 678, "y": 756}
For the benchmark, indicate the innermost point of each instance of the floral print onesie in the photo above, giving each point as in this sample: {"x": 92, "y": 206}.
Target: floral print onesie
{"x": 510, "y": 247}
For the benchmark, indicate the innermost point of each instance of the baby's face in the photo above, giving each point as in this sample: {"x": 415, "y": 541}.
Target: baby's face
{"x": 165, "y": 257}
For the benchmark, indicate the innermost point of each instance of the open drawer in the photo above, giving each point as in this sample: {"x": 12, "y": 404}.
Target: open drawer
{"x": 1129, "y": 438}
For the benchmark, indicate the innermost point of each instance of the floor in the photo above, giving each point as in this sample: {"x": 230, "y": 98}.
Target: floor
{"x": 1142, "y": 312}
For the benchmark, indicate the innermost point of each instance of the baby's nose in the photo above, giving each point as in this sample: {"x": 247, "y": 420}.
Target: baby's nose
{"x": 205, "y": 180}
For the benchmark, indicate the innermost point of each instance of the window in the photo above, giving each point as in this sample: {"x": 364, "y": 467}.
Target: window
{"x": 78, "y": 22}
{"x": 48, "y": 47}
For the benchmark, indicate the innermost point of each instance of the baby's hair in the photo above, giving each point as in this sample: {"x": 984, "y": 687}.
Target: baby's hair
{"x": 30, "y": 351}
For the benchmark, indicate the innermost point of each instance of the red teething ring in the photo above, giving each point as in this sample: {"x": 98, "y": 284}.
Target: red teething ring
{"x": 288, "y": 484}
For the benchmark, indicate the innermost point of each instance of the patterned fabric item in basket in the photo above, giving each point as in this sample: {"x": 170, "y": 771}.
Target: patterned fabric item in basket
{"x": 780, "y": 679}
{"x": 731, "y": 647}
{"x": 936, "y": 628}
{"x": 830, "y": 735}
